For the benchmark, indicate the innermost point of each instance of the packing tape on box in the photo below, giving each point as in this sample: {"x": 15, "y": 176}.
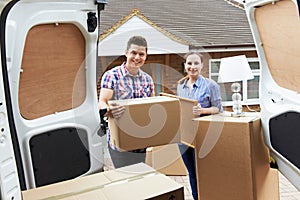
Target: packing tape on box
{"x": 120, "y": 181}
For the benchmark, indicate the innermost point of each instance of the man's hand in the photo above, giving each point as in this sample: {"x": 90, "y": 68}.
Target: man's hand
{"x": 116, "y": 110}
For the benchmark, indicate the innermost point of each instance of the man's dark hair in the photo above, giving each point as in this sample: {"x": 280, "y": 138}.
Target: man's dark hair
{"x": 137, "y": 40}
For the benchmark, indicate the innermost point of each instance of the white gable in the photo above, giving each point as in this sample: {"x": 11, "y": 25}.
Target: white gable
{"x": 158, "y": 43}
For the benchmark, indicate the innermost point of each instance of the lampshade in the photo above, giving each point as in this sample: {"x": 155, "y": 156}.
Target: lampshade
{"x": 234, "y": 68}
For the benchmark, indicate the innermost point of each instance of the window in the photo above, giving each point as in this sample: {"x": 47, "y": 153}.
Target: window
{"x": 249, "y": 88}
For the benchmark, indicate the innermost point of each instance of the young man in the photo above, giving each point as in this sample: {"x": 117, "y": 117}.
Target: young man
{"x": 127, "y": 81}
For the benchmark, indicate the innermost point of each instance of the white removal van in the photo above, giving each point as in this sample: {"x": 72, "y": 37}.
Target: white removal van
{"x": 49, "y": 119}
{"x": 275, "y": 26}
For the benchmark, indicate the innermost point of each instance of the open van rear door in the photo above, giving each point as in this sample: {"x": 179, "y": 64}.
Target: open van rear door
{"x": 48, "y": 94}
{"x": 276, "y": 29}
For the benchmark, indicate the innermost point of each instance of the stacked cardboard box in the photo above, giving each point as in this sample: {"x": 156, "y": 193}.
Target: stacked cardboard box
{"x": 166, "y": 159}
{"x": 158, "y": 123}
{"x": 134, "y": 182}
{"x": 233, "y": 160}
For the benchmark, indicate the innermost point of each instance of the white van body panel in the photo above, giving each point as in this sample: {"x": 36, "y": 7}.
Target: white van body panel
{"x": 9, "y": 180}
{"x": 21, "y": 18}
{"x": 276, "y": 29}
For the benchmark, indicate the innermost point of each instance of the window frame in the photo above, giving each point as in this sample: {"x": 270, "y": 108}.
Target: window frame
{"x": 245, "y": 99}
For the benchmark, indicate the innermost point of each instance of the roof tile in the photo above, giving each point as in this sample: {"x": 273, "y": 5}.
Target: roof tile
{"x": 203, "y": 23}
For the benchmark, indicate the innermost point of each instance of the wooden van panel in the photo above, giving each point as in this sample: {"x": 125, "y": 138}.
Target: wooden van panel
{"x": 53, "y": 70}
{"x": 279, "y": 29}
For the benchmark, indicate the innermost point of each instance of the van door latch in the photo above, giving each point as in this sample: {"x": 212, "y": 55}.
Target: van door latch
{"x": 91, "y": 21}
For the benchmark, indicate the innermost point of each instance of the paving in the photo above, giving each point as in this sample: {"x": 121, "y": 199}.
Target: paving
{"x": 287, "y": 190}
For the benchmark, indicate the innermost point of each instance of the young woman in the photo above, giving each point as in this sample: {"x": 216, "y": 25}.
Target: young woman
{"x": 207, "y": 93}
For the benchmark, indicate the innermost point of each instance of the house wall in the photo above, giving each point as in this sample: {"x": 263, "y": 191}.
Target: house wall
{"x": 171, "y": 66}
{"x": 159, "y": 41}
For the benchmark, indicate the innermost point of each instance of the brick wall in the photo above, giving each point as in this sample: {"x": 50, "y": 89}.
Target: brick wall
{"x": 170, "y": 66}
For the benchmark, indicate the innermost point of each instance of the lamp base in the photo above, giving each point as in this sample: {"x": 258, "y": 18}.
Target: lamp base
{"x": 238, "y": 114}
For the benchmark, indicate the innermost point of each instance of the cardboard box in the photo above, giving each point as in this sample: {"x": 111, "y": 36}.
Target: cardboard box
{"x": 77, "y": 186}
{"x": 152, "y": 186}
{"x": 233, "y": 160}
{"x": 166, "y": 159}
{"x": 133, "y": 182}
{"x": 129, "y": 172}
{"x": 188, "y": 127}
{"x": 147, "y": 122}
{"x": 269, "y": 185}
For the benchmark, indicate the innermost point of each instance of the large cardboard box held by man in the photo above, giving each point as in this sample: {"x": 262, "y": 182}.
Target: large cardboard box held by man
{"x": 147, "y": 122}
{"x": 233, "y": 160}
{"x": 134, "y": 182}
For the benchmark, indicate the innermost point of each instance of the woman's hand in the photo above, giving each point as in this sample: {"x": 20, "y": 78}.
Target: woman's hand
{"x": 197, "y": 110}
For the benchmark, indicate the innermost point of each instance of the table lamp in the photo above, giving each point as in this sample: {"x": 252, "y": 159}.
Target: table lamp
{"x": 234, "y": 69}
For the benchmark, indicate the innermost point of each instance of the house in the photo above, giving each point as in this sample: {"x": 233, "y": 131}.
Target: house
{"x": 216, "y": 28}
